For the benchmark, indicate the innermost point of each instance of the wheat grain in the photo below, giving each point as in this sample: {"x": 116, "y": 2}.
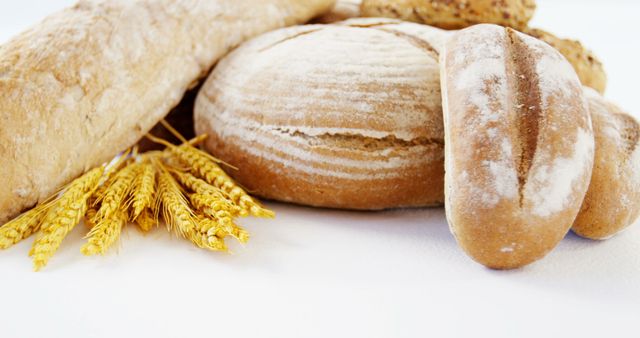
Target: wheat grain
{"x": 22, "y": 227}
{"x": 116, "y": 193}
{"x": 105, "y": 234}
{"x": 90, "y": 215}
{"x": 143, "y": 189}
{"x": 146, "y": 221}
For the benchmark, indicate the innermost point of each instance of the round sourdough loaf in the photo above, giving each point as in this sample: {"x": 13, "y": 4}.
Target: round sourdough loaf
{"x": 344, "y": 116}
{"x": 519, "y": 145}
{"x": 613, "y": 199}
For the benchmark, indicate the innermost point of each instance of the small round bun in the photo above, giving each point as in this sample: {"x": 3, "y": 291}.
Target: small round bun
{"x": 342, "y": 116}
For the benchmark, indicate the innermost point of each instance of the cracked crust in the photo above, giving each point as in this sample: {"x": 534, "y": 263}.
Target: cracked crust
{"x": 89, "y": 81}
{"x": 344, "y": 116}
{"x": 518, "y": 145}
{"x": 454, "y": 14}
{"x": 613, "y": 199}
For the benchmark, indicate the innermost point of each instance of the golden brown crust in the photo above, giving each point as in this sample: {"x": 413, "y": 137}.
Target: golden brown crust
{"x": 89, "y": 81}
{"x": 343, "y": 10}
{"x": 518, "y": 145}
{"x": 589, "y": 68}
{"x": 454, "y": 14}
{"x": 356, "y": 124}
{"x": 613, "y": 199}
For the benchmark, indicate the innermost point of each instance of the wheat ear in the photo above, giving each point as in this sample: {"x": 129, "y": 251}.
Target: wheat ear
{"x": 22, "y": 227}
{"x": 116, "y": 193}
{"x": 205, "y": 166}
{"x": 177, "y": 213}
{"x": 143, "y": 190}
{"x": 104, "y": 234}
{"x": 65, "y": 213}
{"x": 146, "y": 221}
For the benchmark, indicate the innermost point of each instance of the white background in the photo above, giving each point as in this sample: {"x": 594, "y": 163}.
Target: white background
{"x": 323, "y": 273}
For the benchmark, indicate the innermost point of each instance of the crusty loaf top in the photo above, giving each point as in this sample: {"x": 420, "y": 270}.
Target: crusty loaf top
{"x": 500, "y": 71}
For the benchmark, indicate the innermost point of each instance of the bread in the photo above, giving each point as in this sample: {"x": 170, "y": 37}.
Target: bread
{"x": 89, "y": 81}
{"x": 343, "y": 10}
{"x": 454, "y": 14}
{"x": 613, "y": 199}
{"x": 590, "y": 70}
{"x": 518, "y": 145}
{"x": 343, "y": 116}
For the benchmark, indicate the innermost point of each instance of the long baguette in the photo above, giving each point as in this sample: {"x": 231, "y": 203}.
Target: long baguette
{"x": 92, "y": 79}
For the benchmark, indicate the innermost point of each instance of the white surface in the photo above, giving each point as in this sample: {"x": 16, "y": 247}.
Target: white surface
{"x": 323, "y": 273}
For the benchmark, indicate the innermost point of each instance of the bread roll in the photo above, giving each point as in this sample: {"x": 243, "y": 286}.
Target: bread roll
{"x": 343, "y": 116}
{"x": 590, "y": 70}
{"x": 518, "y": 145}
{"x": 454, "y": 14}
{"x": 89, "y": 81}
{"x": 613, "y": 199}
{"x": 343, "y": 10}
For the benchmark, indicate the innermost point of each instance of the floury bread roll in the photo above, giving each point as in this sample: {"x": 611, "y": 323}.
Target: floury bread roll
{"x": 613, "y": 199}
{"x": 454, "y": 14}
{"x": 90, "y": 80}
{"x": 344, "y": 116}
{"x": 518, "y": 145}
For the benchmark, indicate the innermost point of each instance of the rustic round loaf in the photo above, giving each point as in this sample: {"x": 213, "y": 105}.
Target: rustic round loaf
{"x": 518, "y": 145}
{"x": 454, "y": 14}
{"x": 343, "y": 116}
{"x": 613, "y": 199}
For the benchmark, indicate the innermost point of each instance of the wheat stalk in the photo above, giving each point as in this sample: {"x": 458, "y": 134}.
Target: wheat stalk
{"x": 64, "y": 214}
{"x": 143, "y": 190}
{"x": 116, "y": 193}
{"x": 205, "y": 166}
{"x": 22, "y": 227}
{"x": 104, "y": 234}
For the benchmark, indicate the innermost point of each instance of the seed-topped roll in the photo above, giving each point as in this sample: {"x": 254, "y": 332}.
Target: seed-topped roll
{"x": 518, "y": 145}
{"x": 344, "y": 116}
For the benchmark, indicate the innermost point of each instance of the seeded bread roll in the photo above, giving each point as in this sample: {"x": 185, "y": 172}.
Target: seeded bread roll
{"x": 344, "y": 116}
{"x": 589, "y": 68}
{"x": 518, "y": 145}
{"x": 454, "y": 14}
{"x": 343, "y": 10}
{"x": 613, "y": 199}
{"x": 89, "y": 81}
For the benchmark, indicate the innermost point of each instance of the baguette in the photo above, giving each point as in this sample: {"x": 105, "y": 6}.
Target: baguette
{"x": 454, "y": 14}
{"x": 613, "y": 199}
{"x": 356, "y": 124}
{"x": 91, "y": 80}
{"x": 518, "y": 145}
